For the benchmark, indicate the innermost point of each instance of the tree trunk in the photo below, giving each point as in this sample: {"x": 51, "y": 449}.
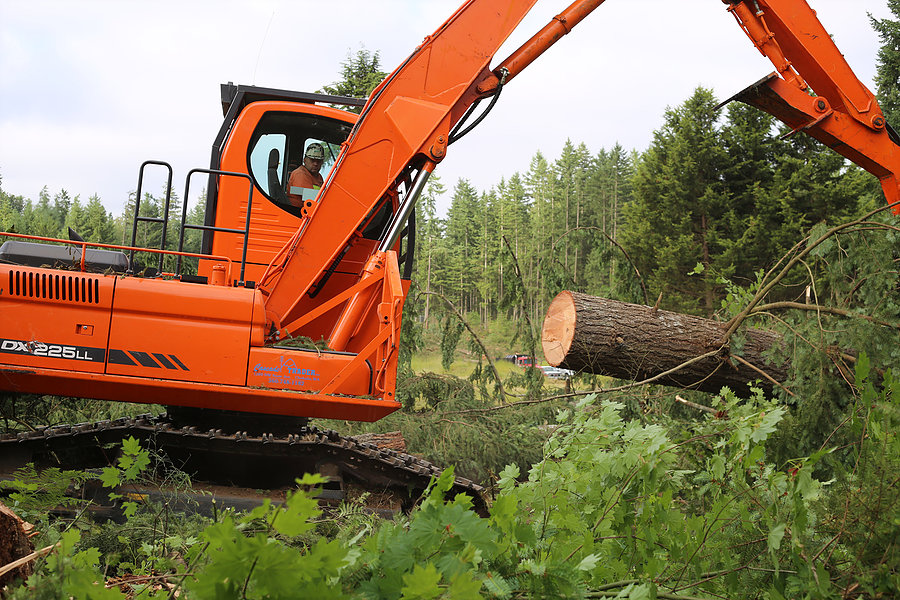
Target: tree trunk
{"x": 631, "y": 341}
{"x": 14, "y": 544}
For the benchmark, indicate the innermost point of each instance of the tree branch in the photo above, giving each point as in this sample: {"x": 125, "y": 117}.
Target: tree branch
{"x": 820, "y": 309}
{"x": 799, "y": 252}
{"x": 596, "y": 391}
{"x": 477, "y": 339}
{"x": 617, "y": 245}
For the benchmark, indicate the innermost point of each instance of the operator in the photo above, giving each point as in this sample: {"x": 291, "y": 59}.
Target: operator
{"x": 307, "y": 175}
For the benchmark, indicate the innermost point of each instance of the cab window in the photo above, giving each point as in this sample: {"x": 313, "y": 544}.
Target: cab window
{"x": 279, "y": 145}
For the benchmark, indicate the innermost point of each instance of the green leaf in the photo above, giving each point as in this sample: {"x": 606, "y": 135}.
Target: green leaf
{"x": 863, "y": 367}
{"x": 134, "y": 459}
{"x": 508, "y": 476}
{"x": 131, "y": 446}
{"x": 817, "y": 231}
{"x": 422, "y": 583}
{"x": 767, "y": 424}
{"x": 588, "y": 562}
{"x": 129, "y": 509}
{"x": 258, "y": 512}
{"x": 294, "y": 517}
{"x": 776, "y": 534}
{"x": 311, "y": 480}
{"x": 497, "y": 585}
{"x": 464, "y": 587}
{"x": 110, "y": 477}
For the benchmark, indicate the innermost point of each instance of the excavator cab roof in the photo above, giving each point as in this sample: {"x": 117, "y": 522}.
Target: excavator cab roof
{"x": 236, "y": 97}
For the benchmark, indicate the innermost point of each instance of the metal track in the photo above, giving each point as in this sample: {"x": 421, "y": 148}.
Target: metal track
{"x": 390, "y": 479}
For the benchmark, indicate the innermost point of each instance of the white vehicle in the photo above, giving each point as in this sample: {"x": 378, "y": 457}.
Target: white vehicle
{"x": 556, "y": 373}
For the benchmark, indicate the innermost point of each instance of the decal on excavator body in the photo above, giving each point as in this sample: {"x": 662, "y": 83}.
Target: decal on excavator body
{"x": 63, "y": 351}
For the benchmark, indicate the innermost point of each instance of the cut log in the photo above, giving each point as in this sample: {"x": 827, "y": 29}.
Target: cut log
{"x": 392, "y": 440}
{"x": 635, "y": 342}
{"x": 14, "y": 544}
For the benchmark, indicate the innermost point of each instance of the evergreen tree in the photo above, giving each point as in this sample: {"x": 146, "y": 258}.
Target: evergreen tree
{"x": 679, "y": 209}
{"x": 463, "y": 233}
{"x": 756, "y": 211}
{"x": 60, "y": 210}
{"x": 97, "y": 224}
{"x": 887, "y": 78}
{"x": 489, "y": 248}
{"x": 43, "y": 219}
{"x": 572, "y": 170}
{"x": 360, "y": 74}
{"x": 513, "y": 235}
{"x": 429, "y": 230}
{"x": 606, "y": 271}
{"x": 539, "y": 267}
{"x": 9, "y": 217}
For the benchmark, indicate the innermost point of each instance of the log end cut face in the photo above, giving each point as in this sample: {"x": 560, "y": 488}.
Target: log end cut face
{"x": 559, "y": 328}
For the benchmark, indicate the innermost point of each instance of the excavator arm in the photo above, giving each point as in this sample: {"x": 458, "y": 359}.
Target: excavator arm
{"x": 406, "y": 127}
{"x": 402, "y": 133}
{"x": 814, "y": 89}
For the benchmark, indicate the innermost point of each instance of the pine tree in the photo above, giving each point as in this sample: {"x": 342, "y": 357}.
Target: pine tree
{"x": 887, "y": 78}
{"x": 360, "y": 74}
{"x": 539, "y": 267}
{"x": 610, "y": 190}
{"x": 463, "y": 233}
{"x": 676, "y": 218}
{"x": 514, "y": 235}
{"x": 42, "y": 220}
{"x": 429, "y": 231}
{"x": 60, "y": 209}
{"x": 572, "y": 175}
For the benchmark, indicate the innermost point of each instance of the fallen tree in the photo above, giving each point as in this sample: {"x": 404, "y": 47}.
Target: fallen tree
{"x": 631, "y": 341}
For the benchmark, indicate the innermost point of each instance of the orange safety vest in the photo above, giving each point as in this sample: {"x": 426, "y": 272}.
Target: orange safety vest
{"x": 301, "y": 177}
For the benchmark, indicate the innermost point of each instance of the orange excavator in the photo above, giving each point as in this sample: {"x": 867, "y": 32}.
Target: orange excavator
{"x": 281, "y": 262}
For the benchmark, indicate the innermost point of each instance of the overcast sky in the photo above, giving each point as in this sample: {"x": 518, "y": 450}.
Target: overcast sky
{"x": 89, "y": 89}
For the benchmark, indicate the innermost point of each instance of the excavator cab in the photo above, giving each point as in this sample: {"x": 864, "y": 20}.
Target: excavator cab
{"x": 264, "y": 134}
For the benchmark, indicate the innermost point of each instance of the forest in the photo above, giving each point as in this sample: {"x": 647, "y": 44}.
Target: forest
{"x": 598, "y": 487}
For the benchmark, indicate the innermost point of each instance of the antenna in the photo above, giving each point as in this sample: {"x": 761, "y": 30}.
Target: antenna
{"x": 261, "y": 45}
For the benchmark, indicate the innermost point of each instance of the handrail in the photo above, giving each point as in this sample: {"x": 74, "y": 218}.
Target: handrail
{"x": 245, "y": 231}
{"x": 85, "y": 245}
{"x": 137, "y": 208}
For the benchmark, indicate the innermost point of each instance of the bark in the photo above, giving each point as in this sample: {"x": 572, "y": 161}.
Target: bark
{"x": 392, "y": 440}
{"x": 14, "y": 544}
{"x": 631, "y": 341}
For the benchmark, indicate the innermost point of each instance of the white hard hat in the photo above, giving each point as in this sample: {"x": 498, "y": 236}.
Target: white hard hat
{"x": 315, "y": 151}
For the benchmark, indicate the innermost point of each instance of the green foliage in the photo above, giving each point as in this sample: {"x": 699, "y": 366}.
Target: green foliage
{"x": 445, "y": 422}
{"x": 360, "y": 74}
{"x": 68, "y": 573}
{"x": 453, "y": 329}
{"x": 614, "y": 508}
{"x": 889, "y": 63}
{"x": 863, "y": 510}
{"x": 618, "y": 506}
{"x": 26, "y": 412}
{"x": 680, "y": 214}
{"x": 238, "y": 558}
{"x": 32, "y": 493}
{"x": 855, "y": 271}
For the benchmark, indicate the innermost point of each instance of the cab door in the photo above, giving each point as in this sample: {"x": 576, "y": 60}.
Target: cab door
{"x": 268, "y": 141}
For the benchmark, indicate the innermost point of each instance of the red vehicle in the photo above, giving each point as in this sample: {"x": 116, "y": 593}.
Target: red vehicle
{"x": 525, "y": 361}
